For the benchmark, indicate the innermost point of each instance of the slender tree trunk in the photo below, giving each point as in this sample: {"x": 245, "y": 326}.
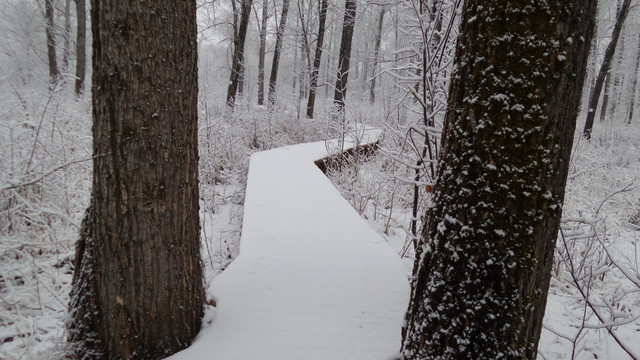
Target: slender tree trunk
{"x": 427, "y": 75}
{"x": 241, "y": 64}
{"x": 376, "y": 55}
{"x": 304, "y": 71}
{"x": 482, "y": 279}
{"x": 81, "y": 36}
{"x": 355, "y": 67}
{"x": 317, "y": 59}
{"x": 328, "y": 62}
{"x": 593, "y": 61}
{"x": 66, "y": 49}
{"x": 241, "y": 78}
{"x": 51, "y": 42}
{"x": 396, "y": 39}
{"x": 296, "y": 69}
{"x": 604, "y": 69}
{"x": 634, "y": 84}
{"x": 367, "y": 63}
{"x": 137, "y": 289}
{"x": 344, "y": 57}
{"x": 618, "y": 77}
{"x": 605, "y": 98}
{"x": 305, "y": 48}
{"x": 263, "y": 42}
{"x": 273, "y": 78}
{"x": 238, "y": 52}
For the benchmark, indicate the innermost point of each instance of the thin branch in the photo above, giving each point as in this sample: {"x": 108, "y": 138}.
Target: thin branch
{"x": 43, "y": 175}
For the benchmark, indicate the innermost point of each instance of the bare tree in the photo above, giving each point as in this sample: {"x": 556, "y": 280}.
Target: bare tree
{"x": 376, "y": 56}
{"x": 66, "y": 48}
{"x": 429, "y": 28}
{"x": 51, "y": 42}
{"x": 344, "y": 57}
{"x": 305, "y": 68}
{"x": 605, "y": 97}
{"x": 482, "y": 278}
{"x": 594, "y": 97}
{"x": 273, "y": 78}
{"x": 137, "y": 288}
{"x": 317, "y": 59}
{"x": 81, "y": 39}
{"x": 263, "y": 45}
{"x": 239, "y": 37}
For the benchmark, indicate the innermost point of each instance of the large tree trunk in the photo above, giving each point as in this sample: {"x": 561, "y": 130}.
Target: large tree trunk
{"x": 376, "y": 55}
{"x": 81, "y": 36}
{"x": 51, "y": 42}
{"x": 594, "y": 97}
{"x": 273, "y": 78}
{"x": 238, "y": 52}
{"x": 262, "y": 51}
{"x": 482, "y": 279}
{"x": 345, "y": 55}
{"x": 137, "y": 290}
{"x": 311, "y": 102}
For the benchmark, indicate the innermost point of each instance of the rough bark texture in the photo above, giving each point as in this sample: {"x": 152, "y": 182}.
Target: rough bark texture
{"x": 311, "y": 103}
{"x": 594, "y": 97}
{"x": 344, "y": 57}
{"x": 51, "y": 42}
{"x": 273, "y": 77}
{"x": 482, "y": 279}
{"x": 81, "y": 39}
{"x": 262, "y": 51}
{"x": 238, "y": 53}
{"x": 137, "y": 290}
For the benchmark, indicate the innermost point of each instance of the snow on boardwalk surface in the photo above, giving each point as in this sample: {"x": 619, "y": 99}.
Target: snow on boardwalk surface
{"x": 312, "y": 280}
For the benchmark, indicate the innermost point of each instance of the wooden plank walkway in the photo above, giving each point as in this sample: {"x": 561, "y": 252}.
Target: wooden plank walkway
{"x": 312, "y": 280}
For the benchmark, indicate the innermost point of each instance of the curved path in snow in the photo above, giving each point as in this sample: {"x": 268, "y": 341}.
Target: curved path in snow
{"x": 312, "y": 280}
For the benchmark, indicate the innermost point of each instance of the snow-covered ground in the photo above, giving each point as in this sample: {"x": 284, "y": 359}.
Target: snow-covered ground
{"x": 593, "y": 305}
{"x": 312, "y": 280}
{"x": 39, "y": 227}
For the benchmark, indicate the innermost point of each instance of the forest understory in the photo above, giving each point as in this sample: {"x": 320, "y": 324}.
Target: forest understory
{"x": 593, "y": 305}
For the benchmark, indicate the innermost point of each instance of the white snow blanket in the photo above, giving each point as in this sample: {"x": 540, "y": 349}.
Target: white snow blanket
{"x": 312, "y": 280}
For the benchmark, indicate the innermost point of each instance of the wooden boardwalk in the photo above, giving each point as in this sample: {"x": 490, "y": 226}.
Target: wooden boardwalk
{"x": 312, "y": 280}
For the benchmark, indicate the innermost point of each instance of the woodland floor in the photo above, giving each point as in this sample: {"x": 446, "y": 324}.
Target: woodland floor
{"x": 595, "y": 290}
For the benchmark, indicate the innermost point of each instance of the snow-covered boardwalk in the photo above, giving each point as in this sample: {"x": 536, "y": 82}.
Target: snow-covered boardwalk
{"x": 312, "y": 280}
